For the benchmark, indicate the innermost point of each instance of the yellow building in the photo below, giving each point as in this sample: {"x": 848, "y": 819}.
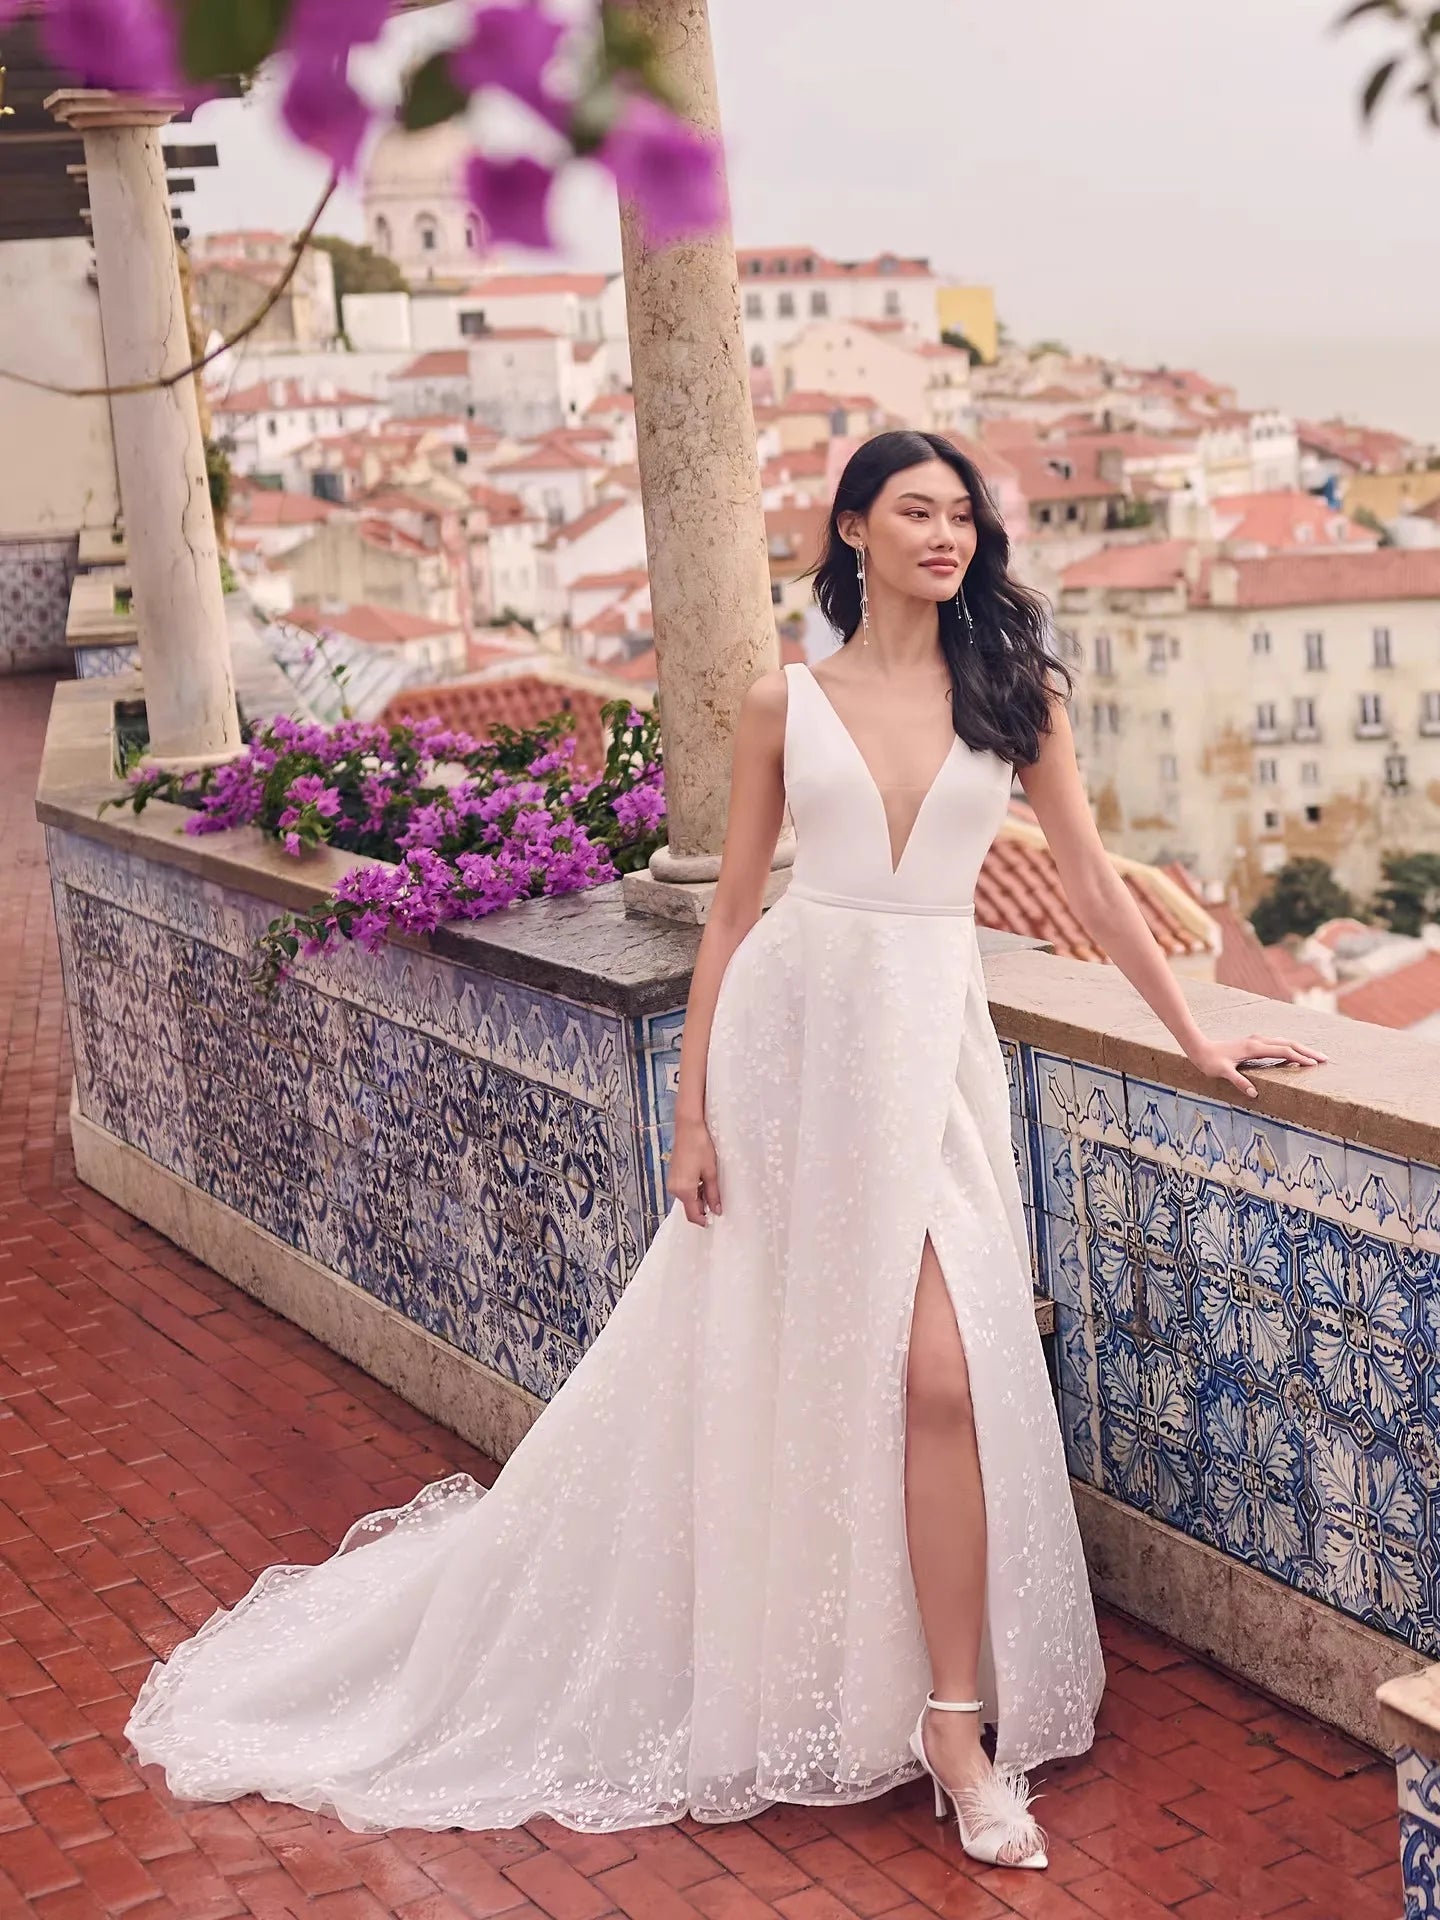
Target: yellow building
{"x": 1388, "y": 495}
{"x": 971, "y": 311}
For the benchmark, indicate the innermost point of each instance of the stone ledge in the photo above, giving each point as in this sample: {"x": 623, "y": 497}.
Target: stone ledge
{"x": 1410, "y": 1711}
{"x": 1379, "y": 1089}
{"x": 1295, "y": 1648}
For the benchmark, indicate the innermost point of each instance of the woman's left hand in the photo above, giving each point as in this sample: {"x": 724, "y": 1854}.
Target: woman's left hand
{"x": 1221, "y": 1059}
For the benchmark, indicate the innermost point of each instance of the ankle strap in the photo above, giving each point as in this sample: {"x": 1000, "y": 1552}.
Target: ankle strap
{"x": 955, "y": 1706}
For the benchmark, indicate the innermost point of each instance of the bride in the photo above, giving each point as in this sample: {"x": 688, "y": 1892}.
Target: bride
{"x": 798, "y": 1525}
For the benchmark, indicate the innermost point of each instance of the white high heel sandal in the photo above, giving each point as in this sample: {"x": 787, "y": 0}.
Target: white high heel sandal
{"x": 992, "y": 1815}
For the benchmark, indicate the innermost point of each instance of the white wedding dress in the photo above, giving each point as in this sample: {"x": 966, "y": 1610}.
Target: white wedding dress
{"x": 688, "y": 1590}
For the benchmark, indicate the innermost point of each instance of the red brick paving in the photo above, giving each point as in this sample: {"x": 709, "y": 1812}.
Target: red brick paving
{"x": 162, "y": 1437}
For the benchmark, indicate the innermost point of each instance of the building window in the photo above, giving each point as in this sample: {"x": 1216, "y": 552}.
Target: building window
{"x": 1430, "y": 713}
{"x": 1042, "y": 514}
{"x": 1272, "y": 820}
{"x": 1164, "y": 719}
{"x": 785, "y": 305}
{"x": 1265, "y": 718}
{"x": 1267, "y": 773}
{"x": 272, "y": 426}
{"x": 892, "y": 303}
{"x": 1169, "y": 769}
{"x": 757, "y": 356}
{"x": 1315, "y": 652}
{"x": 473, "y": 323}
{"x": 1380, "y": 644}
{"x": 382, "y": 234}
{"x": 1104, "y": 657}
{"x": 1312, "y": 816}
{"x": 819, "y": 303}
{"x": 777, "y": 592}
{"x": 1305, "y": 722}
{"x": 472, "y": 235}
{"x": 1370, "y": 711}
{"x": 429, "y": 234}
{"x": 754, "y": 307}
{"x": 1260, "y": 641}
{"x": 1309, "y": 773}
{"x": 1158, "y": 652}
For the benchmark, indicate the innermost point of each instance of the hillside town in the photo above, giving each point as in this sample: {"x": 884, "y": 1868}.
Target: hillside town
{"x": 993, "y": 1230}
{"x": 434, "y": 504}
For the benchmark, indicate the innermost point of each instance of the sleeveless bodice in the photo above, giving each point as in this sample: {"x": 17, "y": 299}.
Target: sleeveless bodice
{"x": 842, "y": 853}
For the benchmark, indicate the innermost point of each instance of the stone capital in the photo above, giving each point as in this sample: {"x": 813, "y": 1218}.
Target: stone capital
{"x": 87, "y": 109}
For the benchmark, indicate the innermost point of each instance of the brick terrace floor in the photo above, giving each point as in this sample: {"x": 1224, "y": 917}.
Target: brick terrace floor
{"x": 163, "y": 1438}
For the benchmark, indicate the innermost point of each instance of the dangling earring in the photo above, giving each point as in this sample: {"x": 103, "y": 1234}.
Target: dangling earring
{"x": 864, "y": 597}
{"x": 965, "y": 612}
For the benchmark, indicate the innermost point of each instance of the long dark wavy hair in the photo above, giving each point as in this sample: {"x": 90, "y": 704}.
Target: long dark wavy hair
{"x": 1003, "y": 672}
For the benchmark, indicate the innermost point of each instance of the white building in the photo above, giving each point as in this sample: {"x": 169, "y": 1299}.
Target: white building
{"x": 415, "y": 206}
{"x": 504, "y": 555}
{"x": 1238, "y": 713}
{"x": 265, "y": 424}
{"x": 609, "y": 539}
{"x": 557, "y": 481}
{"x": 920, "y": 381}
{"x": 784, "y": 289}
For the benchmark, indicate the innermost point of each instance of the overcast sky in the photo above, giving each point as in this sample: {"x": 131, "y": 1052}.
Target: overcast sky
{"x": 1175, "y": 180}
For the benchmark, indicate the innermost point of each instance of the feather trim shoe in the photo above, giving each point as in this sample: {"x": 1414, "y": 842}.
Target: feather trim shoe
{"x": 994, "y": 1814}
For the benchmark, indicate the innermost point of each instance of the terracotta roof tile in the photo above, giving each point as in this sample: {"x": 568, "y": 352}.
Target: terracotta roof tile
{"x": 1399, "y": 999}
{"x": 1148, "y": 568}
{"x": 513, "y": 285}
{"x": 1322, "y": 579}
{"x": 377, "y": 626}
{"x": 1283, "y": 521}
{"x": 519, "y": 700}
{"x": 1019, "y": 891}
{"x": 441, "y": 362}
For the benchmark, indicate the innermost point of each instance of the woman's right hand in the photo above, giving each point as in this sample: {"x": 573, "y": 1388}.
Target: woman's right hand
{"x": 692, "y": 1178}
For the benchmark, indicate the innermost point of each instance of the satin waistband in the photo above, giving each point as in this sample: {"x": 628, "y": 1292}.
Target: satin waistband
{"x": 795, "y": 891}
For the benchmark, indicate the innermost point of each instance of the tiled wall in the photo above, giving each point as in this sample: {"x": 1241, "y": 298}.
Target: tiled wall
{"x": 1246, "y": 1314}
{"x": 1247, "y": 1317}
{"x": 35, "y": 577}
{"x": 478, "y": 1155}
{"x": 1419, "y": 1783}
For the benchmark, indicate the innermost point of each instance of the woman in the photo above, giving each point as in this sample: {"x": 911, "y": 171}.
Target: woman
{"x": 809, "y": 1480}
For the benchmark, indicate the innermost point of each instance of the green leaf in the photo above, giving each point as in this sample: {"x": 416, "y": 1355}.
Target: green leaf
{"x": 432, "y": 95}
{"x": 1375, "y": 86}
{"x": 219, "y": 37}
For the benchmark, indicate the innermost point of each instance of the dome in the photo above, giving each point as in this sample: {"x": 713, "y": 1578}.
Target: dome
{"x": 411, "y": 163}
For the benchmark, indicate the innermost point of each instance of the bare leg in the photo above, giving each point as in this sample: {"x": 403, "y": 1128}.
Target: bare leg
{"x": 945, "y": 1523}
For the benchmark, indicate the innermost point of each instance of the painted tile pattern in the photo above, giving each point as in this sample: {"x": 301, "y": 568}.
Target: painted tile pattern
{"x": 1419, "y": 1783}
{"x": 465, "y": 1149}
{"x": 104, "y": 663}
{"x": 1246, "y": 1314}
{"x": 35, "y": 577}
{"x": 1247, "y": 1317}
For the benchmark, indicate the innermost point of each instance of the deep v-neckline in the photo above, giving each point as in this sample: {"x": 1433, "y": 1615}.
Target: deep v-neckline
{"x": 893, "y": 860}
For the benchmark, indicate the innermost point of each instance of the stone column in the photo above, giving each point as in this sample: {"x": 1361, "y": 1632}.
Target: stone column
{"x": 704, "y": 524}
{"x": 159, "y": 453}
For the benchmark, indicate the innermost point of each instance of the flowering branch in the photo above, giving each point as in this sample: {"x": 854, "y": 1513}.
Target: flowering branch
{"x": 456, "y": 828}
{"x": 597, "y": 90}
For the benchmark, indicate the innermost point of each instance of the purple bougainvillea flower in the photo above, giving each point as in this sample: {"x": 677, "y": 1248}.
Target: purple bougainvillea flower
{"x": 511, "y": 47}
{"x": 512, "y": 197}
{"x": 323, "y": 111}
{"x": 667, "y": 168}
{"x": 126, "y": 44}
